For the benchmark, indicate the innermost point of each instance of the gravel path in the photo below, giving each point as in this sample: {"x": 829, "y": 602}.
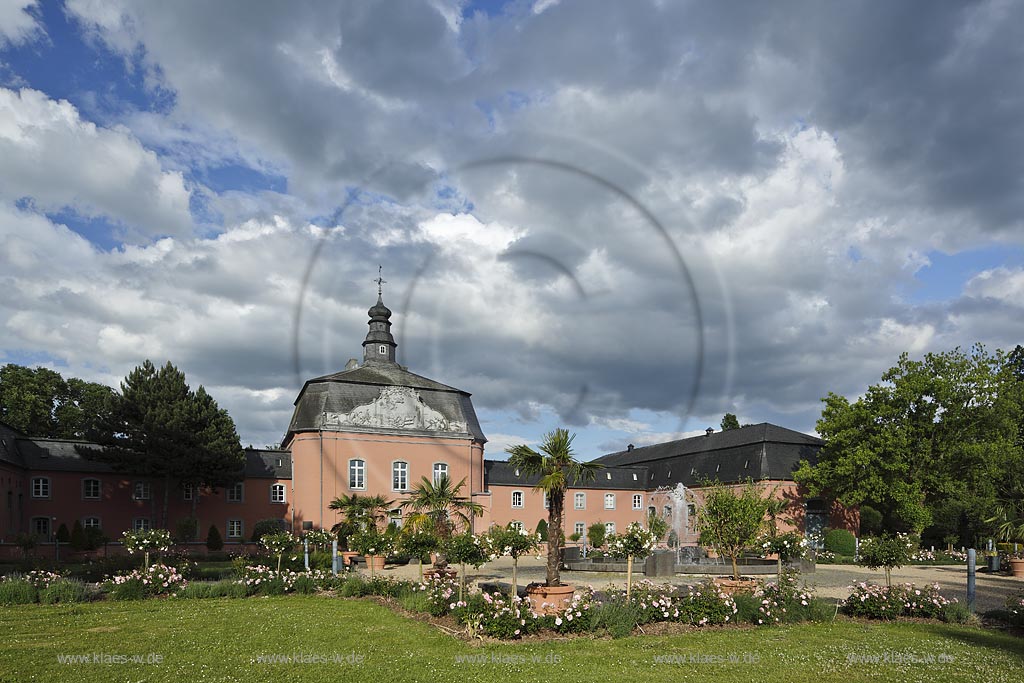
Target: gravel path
{"x": 829, "y": 581}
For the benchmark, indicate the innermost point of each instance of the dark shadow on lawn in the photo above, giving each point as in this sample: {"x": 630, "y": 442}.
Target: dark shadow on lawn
{"x": 979, "y": 637}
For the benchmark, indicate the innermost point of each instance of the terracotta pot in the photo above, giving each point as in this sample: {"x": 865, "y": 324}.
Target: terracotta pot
{"x": 375, "y": 562}
{"x": 549, "y": 599}
{"x": 347, "y": 556}
{"x": 1017, "y": 568}
{"x": 731, "y": 586}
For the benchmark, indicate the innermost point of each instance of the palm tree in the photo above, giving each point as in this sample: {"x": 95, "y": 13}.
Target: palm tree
{"x": 437, "y": 505}
{"x": 360, "y": 510}
{"x": 557, "y": 468}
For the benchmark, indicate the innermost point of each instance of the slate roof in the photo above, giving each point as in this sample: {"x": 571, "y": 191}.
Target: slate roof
{"x": 62, "y": 455}
{"x": 761, "y": 451}
{"x": 501, "y": 473}
{"x": 9, "y": 445}
{"x": 343, "y": 391}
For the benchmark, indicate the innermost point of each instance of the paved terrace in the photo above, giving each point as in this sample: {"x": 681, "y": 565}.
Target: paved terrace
{"x": 828, "y": 581}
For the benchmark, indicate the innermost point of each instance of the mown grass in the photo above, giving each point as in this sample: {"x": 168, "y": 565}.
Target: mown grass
{"x": 221, "y": 639}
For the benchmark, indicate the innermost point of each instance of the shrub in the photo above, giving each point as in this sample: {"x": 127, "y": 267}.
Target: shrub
{"x": 890, "y": 602}
{"x": 63, "y": 535}
{"x": 888, "y": 552}
{"x": 214, "y": 541}
{"x": 441, "y": 595}
{"x": 501, "y": 616}
{"x": 784, "y": 601}
{"x": 617, "y": 618}
{"x": 264, "y": 527}
{"x": 596, "y": 533}
{"x": 870, "y": 521}
{"x": 127, "y": 590}
{"x": 157, "y": 579}
{"x": 186, "y": 529}
{"x": 542, "y": 529}
{"x": 956, "y": 613}
{"x": 64, "y": 591}
{"x": 304, "y": 584}
{"x": 17, "y": 591}
{"x": 353, "y": 587}
{"x": 1015, "y": 609}
{"x": 840, "y": 542}
{"x": 415, "y": 601}
{"x": 78, "y": 538}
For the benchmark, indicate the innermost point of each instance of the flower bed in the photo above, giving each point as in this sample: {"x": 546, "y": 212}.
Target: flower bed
{"x": 155, "y": 580}
{"x": 906, "y": 600}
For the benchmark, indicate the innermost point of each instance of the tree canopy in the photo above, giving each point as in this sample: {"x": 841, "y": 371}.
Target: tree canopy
{"x": 158, "y": 427}
{"x": 40, "y": 402}
{"x": 934, "y": 446}
{"x": 730, "y": 421}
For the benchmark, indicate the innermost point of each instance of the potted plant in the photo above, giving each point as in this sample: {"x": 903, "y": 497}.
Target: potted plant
{"x": 555, "y": 468}
{"x": 635, "y": 542}
{"x": 418, "y": 542}
{"x": 1010, "y": 517}
{"x": 374, "y": 545}
{"x": 731, "y": 521}
{"x": 359, "y": 513}
{"x": 512, "y": 542}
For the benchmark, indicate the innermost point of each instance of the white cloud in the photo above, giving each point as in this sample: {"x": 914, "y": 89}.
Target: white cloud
{"x": 1003, "y": 284}
{"x": 50, "y": 154}
{"x": 16, "y": 23}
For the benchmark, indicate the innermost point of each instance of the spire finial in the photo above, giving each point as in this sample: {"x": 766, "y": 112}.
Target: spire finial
{"x": 380, "y": 281}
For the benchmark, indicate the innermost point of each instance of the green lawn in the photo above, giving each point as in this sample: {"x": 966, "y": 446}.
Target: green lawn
{"x": 220, "y": 640}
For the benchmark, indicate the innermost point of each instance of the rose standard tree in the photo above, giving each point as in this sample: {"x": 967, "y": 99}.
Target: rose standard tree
{"x": 731, "y": 521}
{"x": 514, "y": 543}
{"x": 556, "y": 467}
{"x": 635, "y": 542}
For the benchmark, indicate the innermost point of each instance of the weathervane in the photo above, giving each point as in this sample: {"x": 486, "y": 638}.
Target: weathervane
{"x": 380, "y": 280}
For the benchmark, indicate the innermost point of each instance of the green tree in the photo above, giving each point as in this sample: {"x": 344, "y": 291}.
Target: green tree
{"x": 731, "y": 521}
{"x": 657, "y": 525}
{"x": 39, "y": 402}
{"x": 513, "y": 542}
{"x": 932, "y": 447}
{"x": 887, "y": 552}
{"x": 730, "y": 421}
{"x": 596, "y": 534}
{"x": 557, "y": 467}
{"x": 159, "y": 428}
{"x": 214, "y": 541}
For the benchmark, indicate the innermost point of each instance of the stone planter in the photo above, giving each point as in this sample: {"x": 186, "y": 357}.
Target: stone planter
{"x": 731, "y": 586}
{"x": 375, "y": 562}
{"x": 1017, "y": 568}
{"x": 549, "y": 599}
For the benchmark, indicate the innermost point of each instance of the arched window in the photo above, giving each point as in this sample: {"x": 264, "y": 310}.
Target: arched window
{"x": 91, "y": 523}
{"x": 517, "y": 499}
{"x": 440, "y": 471}
{"x": 609, "y": 501}
{"x": 277, "y": 493}
{"x": 638, "y": 501}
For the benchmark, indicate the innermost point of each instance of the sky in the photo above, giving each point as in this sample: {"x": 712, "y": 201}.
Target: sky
{"x": 623, "y": 218}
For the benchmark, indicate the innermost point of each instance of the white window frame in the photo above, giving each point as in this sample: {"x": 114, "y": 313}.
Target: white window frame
{"x": 87, "y": 525}
{"x": 516, "y": 525}
{"x": 85, "y": 488}
{"x": 357, "y": 474}
{"x": 241, "y": 528}
{"x": 579, "y": 500}
{"x": 35, "y": 527}
{"x": 277, "y": 493}
{"x": 440, "y": 470}
{"x": 522, "y": 499}
{"x": 399, "y": 475}
{"x": 547, "y": 501}
{"x": 609, "y": 498}
{"x": 142, "y": 524}
{"x": 609, "y": 528}
{"x": 580, "y": 528}
{"x": 638, "y": 501}
{"x": 141, "y": 490}
{"x": 236, "y": 492}
{"x": 188, "y": 492}
{"x": 40, "y": 487}
{"x": 383, "y": 349}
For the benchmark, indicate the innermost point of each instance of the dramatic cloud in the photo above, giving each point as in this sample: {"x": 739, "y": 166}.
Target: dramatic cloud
{"x": 629, "y": 218}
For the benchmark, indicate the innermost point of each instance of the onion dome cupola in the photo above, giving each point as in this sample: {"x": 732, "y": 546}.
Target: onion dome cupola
{"x": 379, "y": 344}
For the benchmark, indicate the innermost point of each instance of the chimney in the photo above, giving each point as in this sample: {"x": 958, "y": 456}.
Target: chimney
{"x": 709, "y": 431}
{"x": 629, "y": 447}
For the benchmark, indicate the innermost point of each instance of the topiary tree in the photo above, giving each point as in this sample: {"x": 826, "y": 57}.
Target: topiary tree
{"x": 466, "y": 548}
{"x": 278, "y": 543}
{"x": 214, "y": 541}
{"x": 841, "y": 542}
{"x": 78, "y": 538}
{"x": 186, "y": 529}
{"x": 512, "y": 542}
{"x": 146, "y": 541}
{"x": 870, "y": 521}
{"x": 731, "y": 521}
{"x": 885, "y": 551}
{"x": 596, "y": 533}
{"x": 63, "y": 535}
{"x": 372, "y": 541}
{"x": 635, "y": 542}
{"x": 266, "y": 526}
{"x": 542, "y": 528}
{"x": 786, "y": 547}
{"x": 418, "y": 542}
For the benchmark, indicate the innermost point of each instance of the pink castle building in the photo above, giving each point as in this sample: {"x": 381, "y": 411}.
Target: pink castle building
{"x": 377, "y": 428}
